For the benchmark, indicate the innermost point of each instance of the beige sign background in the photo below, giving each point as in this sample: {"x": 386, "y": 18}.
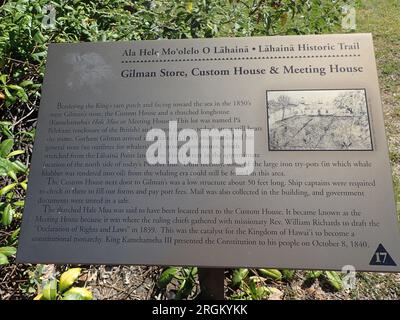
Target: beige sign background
{"x": 320, "y": 196}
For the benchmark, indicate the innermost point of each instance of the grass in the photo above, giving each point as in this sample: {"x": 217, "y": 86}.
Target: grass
{"x": 382, "y": 18}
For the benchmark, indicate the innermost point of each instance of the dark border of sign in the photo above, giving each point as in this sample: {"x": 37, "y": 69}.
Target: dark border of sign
{"x": 321, "y": 150}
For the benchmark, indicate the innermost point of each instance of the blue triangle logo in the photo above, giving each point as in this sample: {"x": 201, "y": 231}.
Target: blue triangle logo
{"x": 381, "y": 257}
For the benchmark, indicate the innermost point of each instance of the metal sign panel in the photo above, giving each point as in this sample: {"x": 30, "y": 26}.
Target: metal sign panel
{"x": 121, "y": 173}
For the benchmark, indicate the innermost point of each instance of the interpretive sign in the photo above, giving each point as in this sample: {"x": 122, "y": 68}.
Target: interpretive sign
{"x": 258, "y": 152}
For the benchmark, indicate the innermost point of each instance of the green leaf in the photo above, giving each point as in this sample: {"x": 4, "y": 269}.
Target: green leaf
{"x": 5, "y": 147}
{"x": 8, "y": 251}
{"x": 253, "y": 287}
{"x": 8, "y": 214}
{"x": 333, "y": 278}
{"x": 273, "y": 274}
{"x": 29, "y": 134}
{"x": 261, "y": 292}
{"x": 288, "y": 274}
{"x": 8, "y": 94}
{"x": 7, "y": 189}
{"x": 3, "y": 172}
{"x": 19, "y": 203}
{"x": 14, "y": 236}
{"x": 22, "y": 95}
{"x": 50, "y": 290}
{"x": 12, "y": 175}
{"x": 39, "y": 38}
{"x": 68, "y": 278}
{"x": 24, "y": 185}
{"x": 38, "y": 56}
{"x": 19, "y": 166}
{"x": 166, "y": 277}
{"x": 78, "y": 294}
{"x": 5, "y": 128}
{"x": 39, "y": 297}
{"x": 15, "y": 153}
{"x": 189, "y": 272}
{"x": 5, "y": 166}
{"x": 189, "y": 6}
{"x": 312, "y": 275}
{"x": 26, "y": 83}
{"x": 238, "y": 276}
{"x": 3, "y": 259}
{"x": 3, "y": 79}
{"x": 15, "y": 87}
{"x": 185, "y": 289}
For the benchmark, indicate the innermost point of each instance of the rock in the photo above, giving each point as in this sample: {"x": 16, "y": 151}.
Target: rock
{"x": 275, "y": 294}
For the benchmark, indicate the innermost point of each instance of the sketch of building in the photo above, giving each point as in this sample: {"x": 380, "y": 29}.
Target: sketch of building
{"x": 318, "y": 120}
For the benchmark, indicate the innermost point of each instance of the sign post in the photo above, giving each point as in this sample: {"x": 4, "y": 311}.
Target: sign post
{"x": 211, "y": 283}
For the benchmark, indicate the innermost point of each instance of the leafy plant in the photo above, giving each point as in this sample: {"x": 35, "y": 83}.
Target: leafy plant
{"x": 166, "y": 276}
{"x": 333, "y": 279}
{"x": 249, "y": 287}
{"x": 10, "y": 169}
{"x": 273, "y": 274}
{"x": 64, "y": 289}
{"x": 238, "y": 276}
{"x": 6, "y": 252}
{"x": 13, "y": 92}
{"x": 34, "y": 276}
{"x": 288, "y": 274}
{"x": 5, "y": 129}
{"x": 181, "y": 280}
{"x": 256, "y": 288}
{"x": 313, "y": 275}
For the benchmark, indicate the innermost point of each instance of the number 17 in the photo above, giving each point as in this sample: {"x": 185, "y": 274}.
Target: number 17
{"x": 379, "y": 255}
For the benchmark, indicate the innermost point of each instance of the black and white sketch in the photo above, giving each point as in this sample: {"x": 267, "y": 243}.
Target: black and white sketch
{"x": 87, "y": 71}
{"x": 318, "y": 120}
